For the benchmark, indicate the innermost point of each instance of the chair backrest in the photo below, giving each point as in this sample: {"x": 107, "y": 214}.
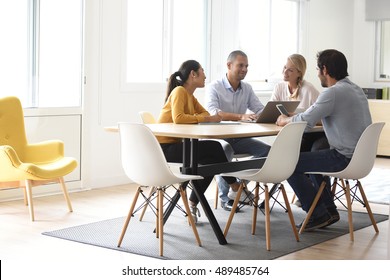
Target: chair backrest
{"x": 363, "y": 157}
{"x": 142, "y": 157}
{"x": 283, "y": 155}
{"x": 12, "y": 131}
{"x": 147, "y": 117}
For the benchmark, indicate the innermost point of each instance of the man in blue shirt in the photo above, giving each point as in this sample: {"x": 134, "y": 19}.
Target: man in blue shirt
{"x": 234, "y": 100}
{"x": 343, "y": 110}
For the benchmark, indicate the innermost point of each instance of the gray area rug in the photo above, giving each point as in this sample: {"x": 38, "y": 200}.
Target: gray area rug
{"x": 377, "y": 186}
{"x": 179, "y": 241}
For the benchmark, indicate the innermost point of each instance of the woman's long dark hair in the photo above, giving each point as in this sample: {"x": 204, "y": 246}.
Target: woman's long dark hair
{"x": 181, "y": 76}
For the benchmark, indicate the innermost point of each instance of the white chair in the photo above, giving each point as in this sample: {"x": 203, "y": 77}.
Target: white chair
{"x": 144, "y": 163}
{"x": 147, "y": 117}
{"x": 360, "y": 166}
{"x": 278, "y": 166}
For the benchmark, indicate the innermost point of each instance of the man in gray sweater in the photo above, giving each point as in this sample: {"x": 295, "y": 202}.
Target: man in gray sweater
{"x": 343, "y": 109}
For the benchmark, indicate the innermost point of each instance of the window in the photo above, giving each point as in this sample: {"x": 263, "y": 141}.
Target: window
{"x": 41, "y": 52}
{"x": 14, "y": 78}
{"x": 158, "y": 40}
{"x": 382, "y": 65}
{"x": 268, "y": 33}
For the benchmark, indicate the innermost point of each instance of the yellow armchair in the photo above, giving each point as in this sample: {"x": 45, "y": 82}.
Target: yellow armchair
{"x": 25, "y": 165}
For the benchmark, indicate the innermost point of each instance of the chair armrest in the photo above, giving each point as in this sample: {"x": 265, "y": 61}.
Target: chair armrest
{"x": 9, "y": 161}
{"x": 43, "y": 152}
{"x": 8, "y": 156}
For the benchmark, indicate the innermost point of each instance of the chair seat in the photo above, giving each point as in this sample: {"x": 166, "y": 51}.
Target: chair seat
{"x": 33, "y": 171}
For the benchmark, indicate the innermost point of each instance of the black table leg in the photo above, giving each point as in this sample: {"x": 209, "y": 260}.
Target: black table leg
{"x": 210, "y": 216}
{"x": 190, "y": 166}
{"x": 202, "y": 199}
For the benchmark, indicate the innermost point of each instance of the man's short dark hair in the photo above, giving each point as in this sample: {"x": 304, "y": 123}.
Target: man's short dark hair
{"x": 335, "y": 62}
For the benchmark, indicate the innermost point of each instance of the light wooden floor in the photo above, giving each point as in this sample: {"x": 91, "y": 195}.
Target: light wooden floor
{"x": 18, "y": 234}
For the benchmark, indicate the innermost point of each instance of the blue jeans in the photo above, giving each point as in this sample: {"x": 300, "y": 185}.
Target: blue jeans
{"x": 306, "y": 188}
{"x": 251, "y": 146}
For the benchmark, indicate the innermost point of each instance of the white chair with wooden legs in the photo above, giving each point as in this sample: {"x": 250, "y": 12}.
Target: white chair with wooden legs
{"x": 141, "y": 157}
{"x": 148, "y": 118}
{"x": 278, "y": 166}
{"x": 360, "y": 166}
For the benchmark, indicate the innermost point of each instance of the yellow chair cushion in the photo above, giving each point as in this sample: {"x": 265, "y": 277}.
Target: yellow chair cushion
{"x": 20, "y": 160}
{"x": 14, "y": 170}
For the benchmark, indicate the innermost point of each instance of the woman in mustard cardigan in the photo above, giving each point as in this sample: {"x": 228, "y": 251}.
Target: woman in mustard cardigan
{"x": 182, "y": 107}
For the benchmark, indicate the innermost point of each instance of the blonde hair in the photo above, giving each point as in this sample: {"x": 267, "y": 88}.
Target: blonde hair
{"x": 300, "y": 63}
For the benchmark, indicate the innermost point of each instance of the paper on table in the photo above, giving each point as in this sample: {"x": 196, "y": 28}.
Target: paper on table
{"x": 219, "y": 123}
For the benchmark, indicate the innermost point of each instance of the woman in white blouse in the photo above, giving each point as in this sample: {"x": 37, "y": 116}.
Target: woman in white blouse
{"x": 294, "y": 87}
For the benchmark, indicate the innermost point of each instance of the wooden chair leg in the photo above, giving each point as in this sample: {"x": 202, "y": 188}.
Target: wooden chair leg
{"x": 160, "y": 219}
{"x": 293, "y": 198}
{"x": 216, "y": 194}
{"x": 25, "y": 196}
{"x": 157, "y": 217}
{"x": 267, "y": 219}
{"x": 191, "y": 220}
{"x": 368, "y": 208}
{"x": 233, "y": 211}
{"x": 126, "y": 224}
{"x": 29, "y": 199}
{"x": 334, "y": 186}
{"x": 255, "y": 207}
{"x": 151, "y": 193}
{"x": 313, "y": 205}
{"x": 66, "y": 194}
{"x": 349, "y": 207}
{"x": 290, "y": 214}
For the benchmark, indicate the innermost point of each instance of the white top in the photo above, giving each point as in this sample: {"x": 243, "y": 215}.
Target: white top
{"x": 308, "y": 94}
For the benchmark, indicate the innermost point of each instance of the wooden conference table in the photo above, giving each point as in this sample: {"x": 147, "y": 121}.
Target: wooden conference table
{"x": 191, "y": 133}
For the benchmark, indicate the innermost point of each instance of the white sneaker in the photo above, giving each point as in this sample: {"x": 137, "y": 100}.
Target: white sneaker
{"x": 297, "y": 203}
{"x": 246, "y": 196}
{"x": 195, "y": 213}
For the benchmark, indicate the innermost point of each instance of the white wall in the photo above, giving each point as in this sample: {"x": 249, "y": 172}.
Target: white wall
{"x": 331, "y": 24}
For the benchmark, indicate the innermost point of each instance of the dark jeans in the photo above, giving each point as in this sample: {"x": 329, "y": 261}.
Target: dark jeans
{"x": 251, "y": 146}
{"x": 306, "y": 188}
{"x": 314, "y": 141}
{"x": 209, "y": 151}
